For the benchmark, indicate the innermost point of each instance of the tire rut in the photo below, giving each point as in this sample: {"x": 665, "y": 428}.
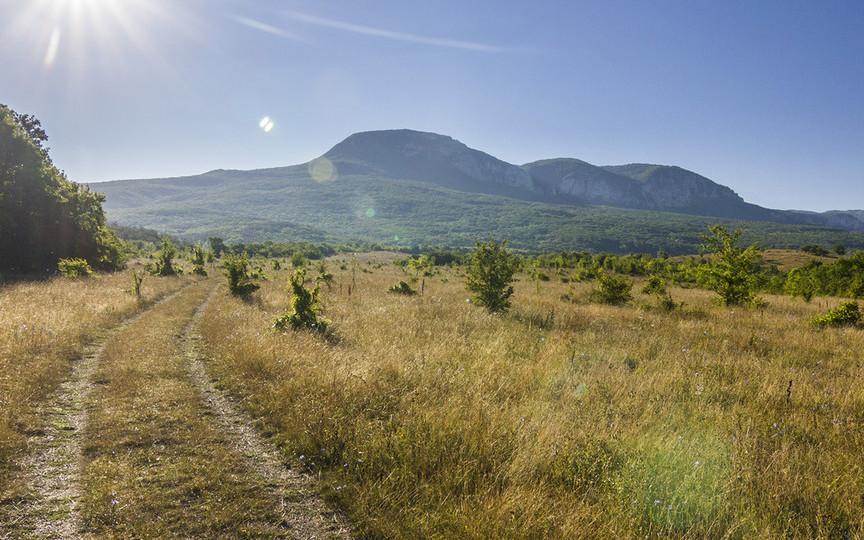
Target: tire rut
{"x": 303, "y": 511}
{"x": 51, "y": 466}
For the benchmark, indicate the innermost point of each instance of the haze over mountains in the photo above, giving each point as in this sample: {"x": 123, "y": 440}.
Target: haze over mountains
{"x": 411, "y": 187}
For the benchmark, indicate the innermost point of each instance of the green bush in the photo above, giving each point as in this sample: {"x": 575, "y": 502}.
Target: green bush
{"x": 198, "y": 261}
{"x": 490, "y": 274}
{"x": 801, "y": 282}
{"x": 164, "y": 265}
{"x": 846, "y": 314}
{"x": 402, "y": 288}
{"x": 733, "y": 271}
{"x": 305, "y": 307}
{"x": 74, "y": 268}
{"x": 298, "y": 260}
{"x": 612, "y": 289}
{"x": 237, "y": 271}
{"x": 323, "y": 275}
{"x": 655, "y": 285}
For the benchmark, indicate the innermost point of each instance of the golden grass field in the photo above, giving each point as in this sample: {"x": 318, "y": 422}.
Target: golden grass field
{"x": 426, "y": 417}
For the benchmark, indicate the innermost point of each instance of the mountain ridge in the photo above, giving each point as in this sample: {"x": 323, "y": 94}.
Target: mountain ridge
{"x": 405, "y": 186}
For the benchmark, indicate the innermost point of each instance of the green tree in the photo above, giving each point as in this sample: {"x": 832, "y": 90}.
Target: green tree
{"x": 298, "y": 260}
{"x": 164, "y": 265}
{"x": 612, "y": 289}
{"x": 217, "y": 245}
{"x": 801, "y": 282}
{"x": 732, "y": 270}
{"x": 238, "y": 273}
{"x": 305, "y": 307}
{"x": 44, "y": 217}
{"x": 490, "y": 275}
{"x": 199, "y": 258}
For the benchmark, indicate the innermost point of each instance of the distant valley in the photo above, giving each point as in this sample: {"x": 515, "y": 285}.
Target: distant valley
{"x": 408, "y": 188}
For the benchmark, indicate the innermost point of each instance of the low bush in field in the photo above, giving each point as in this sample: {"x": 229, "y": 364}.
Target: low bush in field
{"x": 612, "y": 289}
{"x": 402, "y": 288}
{"x": 239, "y": 275}
{"x": 164, "y": 264}
{"x": 74, "y": 268}
{"x": 846, "y": 314}
{"x": 305, "y": 307}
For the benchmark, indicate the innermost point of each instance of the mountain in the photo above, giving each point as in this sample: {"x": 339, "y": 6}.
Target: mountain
{"x": 403, "y": 187}
{"x": 432, "y": 158}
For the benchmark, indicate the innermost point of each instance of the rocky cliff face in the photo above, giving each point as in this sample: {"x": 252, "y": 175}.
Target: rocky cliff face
{"x": 574, "y": 180}
{"x": 673, "y": 188}
{"x": 434, "y": 158}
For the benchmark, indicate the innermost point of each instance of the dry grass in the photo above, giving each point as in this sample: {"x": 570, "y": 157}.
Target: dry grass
{"x": 429, "y": 418}
{"x": 787, "y": 259}
{"x": 156, "y": 464}
{"x": 44, "y": 326}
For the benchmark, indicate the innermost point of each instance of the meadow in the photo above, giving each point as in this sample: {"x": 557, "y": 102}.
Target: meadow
{"x": 428, "y": 417}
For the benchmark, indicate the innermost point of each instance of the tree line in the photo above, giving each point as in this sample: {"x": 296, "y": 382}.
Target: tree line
{"x": 45, "y": 217}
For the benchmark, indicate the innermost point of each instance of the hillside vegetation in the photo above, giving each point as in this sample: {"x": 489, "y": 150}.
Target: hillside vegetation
{"x": 402, "y": 188}
{"x": 289, "y": 205}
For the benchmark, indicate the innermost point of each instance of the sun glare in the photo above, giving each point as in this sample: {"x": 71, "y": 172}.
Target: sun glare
{"x": 76, "y": 33}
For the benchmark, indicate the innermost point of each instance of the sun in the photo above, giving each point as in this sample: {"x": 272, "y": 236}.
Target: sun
{"x": 76, "y": 32}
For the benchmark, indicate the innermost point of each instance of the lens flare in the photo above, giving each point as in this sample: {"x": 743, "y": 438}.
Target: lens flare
{"x": 322, "y": 170}
{"x": 266, "y": 124}
{"x": 53, "y": 47}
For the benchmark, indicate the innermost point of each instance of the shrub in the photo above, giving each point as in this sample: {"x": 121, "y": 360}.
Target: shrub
{"x": 74, "y": 268}
{"x": 198, "y": 261}
{"x": 612, "y": 289}
{"x": 164, "y": 265}
{"x": 819, "y": 251}
{"x": 323, "y": 275}
{"x": 655, "y": 285}
{"x": 402, "y": 288}
{"x": 846, "y": 314}
{"x": 298, "y": 260}
{"x": 801, "y": 282}
{"x": 237, "y": 271}
{"x": 305, "y": 307}
{"x": 490, "y": 274}
{"x": 732, "y": 273}
{"x": 137, "y": 280}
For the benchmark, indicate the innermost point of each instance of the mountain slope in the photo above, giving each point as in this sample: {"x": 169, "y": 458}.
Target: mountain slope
{"x": 574, "y": 180}
{"x": 407, "y": 188}
{"x": 433, "y": 158}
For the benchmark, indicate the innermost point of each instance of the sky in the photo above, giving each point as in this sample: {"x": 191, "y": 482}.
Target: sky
{"x": 764, "y": 96}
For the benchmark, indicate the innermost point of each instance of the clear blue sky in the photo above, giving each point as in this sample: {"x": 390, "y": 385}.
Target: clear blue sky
{"x": 764, "y": 96}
